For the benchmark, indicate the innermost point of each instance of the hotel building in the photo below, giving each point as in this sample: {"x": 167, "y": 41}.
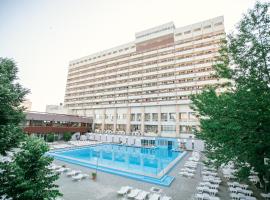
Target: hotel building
{"x": 144, "y": 86}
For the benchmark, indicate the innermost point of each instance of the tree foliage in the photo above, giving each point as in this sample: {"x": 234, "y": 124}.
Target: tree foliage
{"x": 11, "y": 114}
{"x": 28, "y": 176}
{"x": 235, "y": 124}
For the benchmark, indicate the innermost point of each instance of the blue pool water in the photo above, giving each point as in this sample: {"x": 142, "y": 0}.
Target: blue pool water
{"x": 133, "y": 162}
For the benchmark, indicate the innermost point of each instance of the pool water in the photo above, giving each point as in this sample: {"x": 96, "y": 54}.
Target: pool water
{"x": 128, "y": 160}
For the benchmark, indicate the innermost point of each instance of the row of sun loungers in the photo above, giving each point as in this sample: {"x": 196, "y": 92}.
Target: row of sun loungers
{"x": 190, "y": 166}
{"x": 140, "y": 194}
{"x": 76, "y": 175}
{"x": 237, "y": 191}
{"x": 209, "y": 186}
{"x": 83, "y": 143}
{"x": 240, "y": 191}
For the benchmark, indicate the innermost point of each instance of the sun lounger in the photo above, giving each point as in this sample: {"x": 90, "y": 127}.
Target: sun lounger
{"x": 54, "y": 167}
{"x": 166, "y": 198}
{"x": 154, "y": 197}
{"x": 142, "y": 195}
{"x": 79, "y": 177}
{"x": 61, "y": 170}
{"x": 250, "y": 198}
{"x": 124, "y": 190}
{"x": 133, "y": 193}
{"x": 265, "y": 196}
{"x": 73, "y": 172}
{"x": 213, "y": 198}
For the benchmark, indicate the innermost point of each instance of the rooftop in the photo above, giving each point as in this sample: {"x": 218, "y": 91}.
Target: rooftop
{"x": 43, "y": 116}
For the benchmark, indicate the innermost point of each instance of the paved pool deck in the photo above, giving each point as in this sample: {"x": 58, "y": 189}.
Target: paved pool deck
{"x": 107, "y": 185}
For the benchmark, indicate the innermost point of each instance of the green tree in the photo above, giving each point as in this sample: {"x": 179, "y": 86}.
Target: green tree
{"x": 28, "y": 176}
{"x": 235, "y": 123}
{"x": 11, "y": 114}
{"x": 67, "y": 136}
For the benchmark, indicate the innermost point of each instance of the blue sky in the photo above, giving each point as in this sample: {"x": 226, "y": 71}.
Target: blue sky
{"x": 44, "y": 35}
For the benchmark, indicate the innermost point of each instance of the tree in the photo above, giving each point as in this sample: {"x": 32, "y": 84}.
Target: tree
{"x": 28, "y": 177}
{"x": 235, "y": 124}
{"x": 11, "y": 114}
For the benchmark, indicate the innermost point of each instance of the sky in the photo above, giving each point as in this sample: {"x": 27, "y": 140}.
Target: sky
{"x": 42, "y": 36}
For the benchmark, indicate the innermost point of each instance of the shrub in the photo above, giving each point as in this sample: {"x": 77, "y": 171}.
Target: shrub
{"x": 67, "y": 136}
{"x": 50, "y": 137}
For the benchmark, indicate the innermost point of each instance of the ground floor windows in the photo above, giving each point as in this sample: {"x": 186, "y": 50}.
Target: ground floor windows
{"x": 135, "y": 127}
{"x": 108, "y": 127}
{"x": 151, "y": 129}
{"x": 120, "y": 127}
{"x": 147, "y": 142}
{"x": 167, "y": 128}
{"x": 98, "y": 127}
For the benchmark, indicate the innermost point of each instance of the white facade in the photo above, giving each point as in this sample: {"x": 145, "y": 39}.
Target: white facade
{"x": 144, "y": 86}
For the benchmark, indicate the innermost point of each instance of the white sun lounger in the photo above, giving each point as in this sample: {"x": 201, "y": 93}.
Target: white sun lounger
{"x": 62, "y": 169}
{"x": 124, "y": 190}
{"x": 79, "y": 177}
{"x": 154, "y": 197}
{"x": 54, "y": 167}
{"x": 166, "y": 198}
{"x": 213, "y": 198}
{"x": 142, "y": 195}
{"x": 73, "y": 172}
{"x": 133, "y": 193}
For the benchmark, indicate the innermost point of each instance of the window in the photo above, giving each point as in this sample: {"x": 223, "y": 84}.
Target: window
{"x": 172, "y": 117}
{"x": 183, "y": 116}
{"x": 147, "y": 117}
{"x": 218, "y": 24}
{"x": 193, "y": 129}
{"x": 151, "y": 128}
{"x": 164, "y": 117}
{"x": 132, "y": 117}
{"x": 183, "y": 129}
{"x": 206, "y": 27}
{"x": 154, "y": 117}
{"x": 167, "y": 128}
{"x": 139, "y": 117}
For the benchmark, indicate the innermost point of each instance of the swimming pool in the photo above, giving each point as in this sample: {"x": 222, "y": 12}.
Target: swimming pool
{"x": 145, "y": 164}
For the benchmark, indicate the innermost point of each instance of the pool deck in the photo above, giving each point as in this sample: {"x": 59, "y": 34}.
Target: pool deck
{"x": 107, "y": 185}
